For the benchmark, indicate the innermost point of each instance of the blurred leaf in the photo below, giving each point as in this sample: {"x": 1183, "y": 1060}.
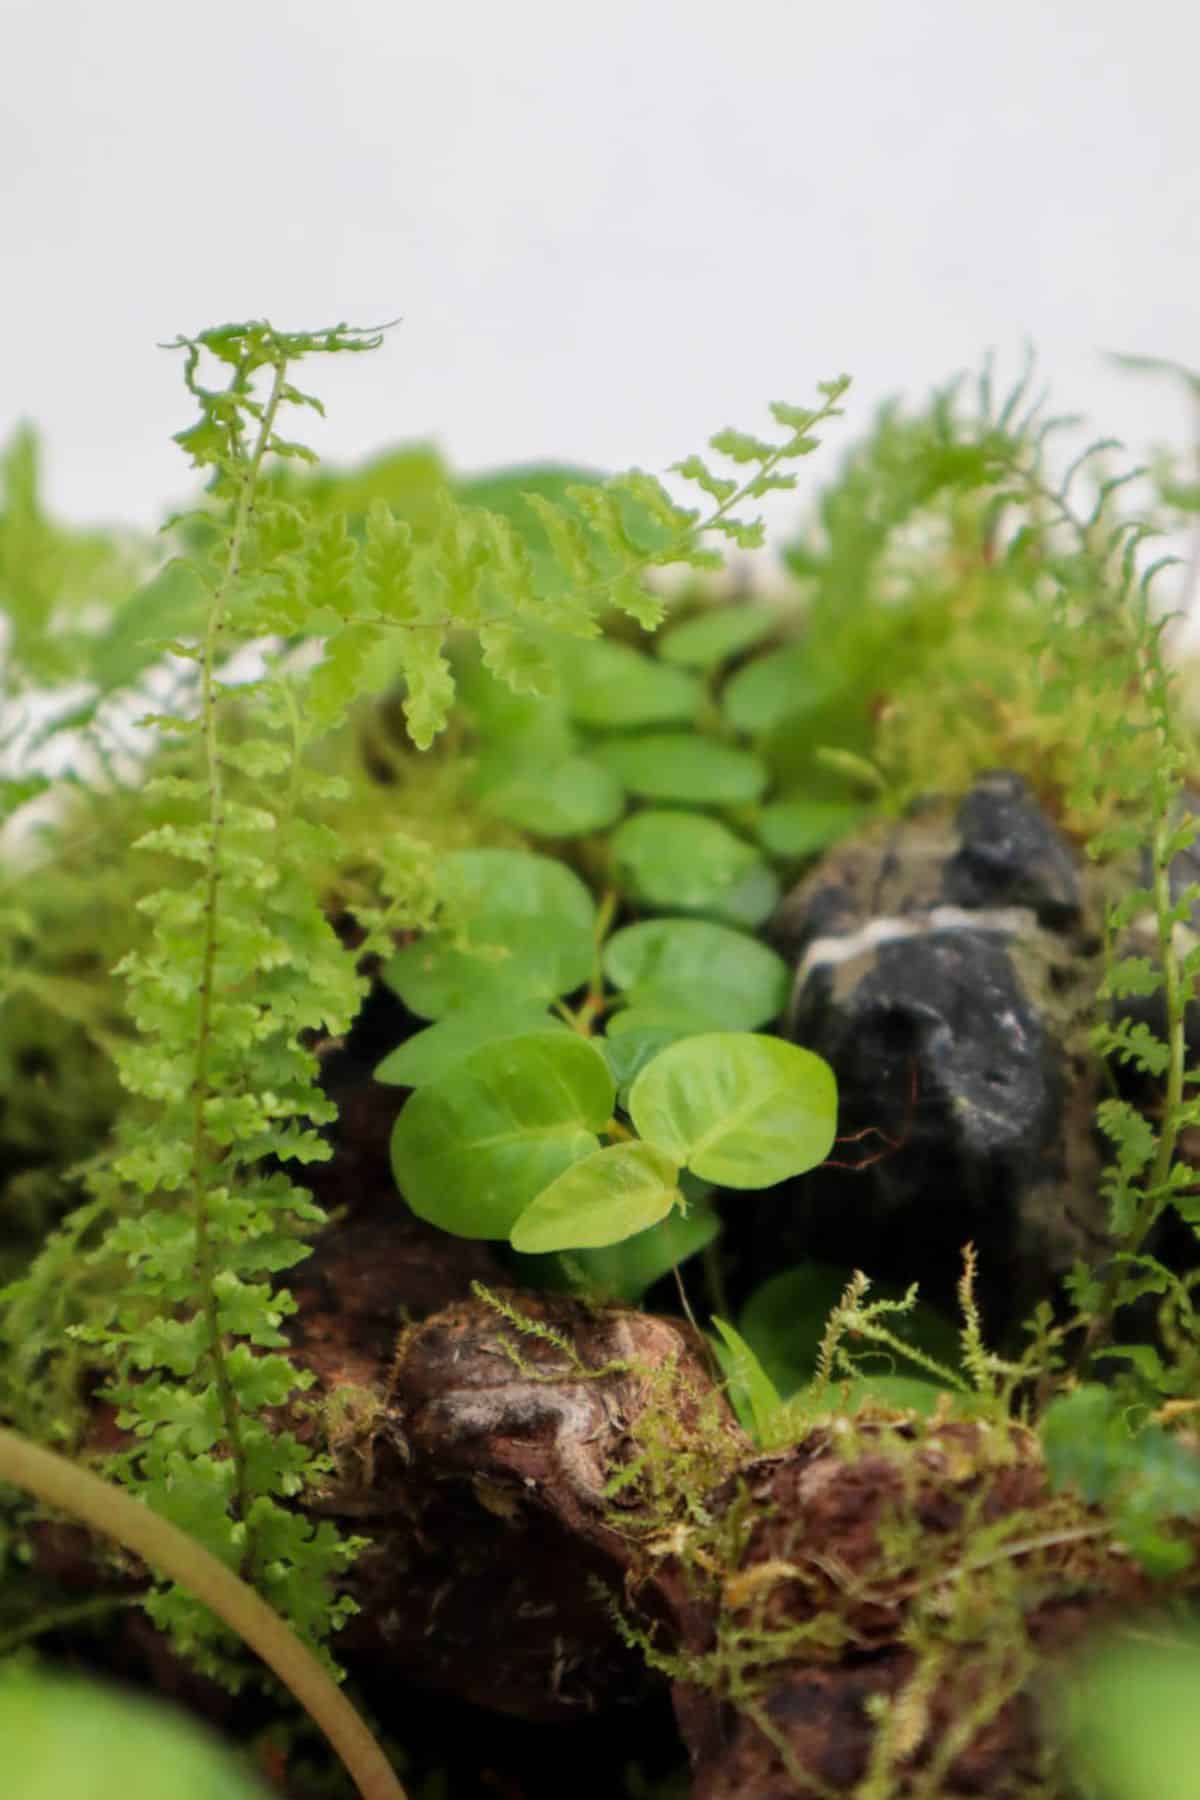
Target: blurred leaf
{"x": 66, "y": 1739}
{"x": 170, "y": 605}
{"x": 1129, "y": 1717}
{"x": 626, "y": 1271}
{"x": 719, "y": 974}
{"x": 627, "y": 1052}
{"x": 610, "y": 684}
{"x": 689, "y": 863}
{"x": 552, "y": 799}
{"x": 753, "y": 1393}
{"x": 684, "y": 768}
{"x": 799, "y": 828}
{"x": 778, "y": 686}
{"x": 712, "y": 638}
{"x": 503, "y": 491}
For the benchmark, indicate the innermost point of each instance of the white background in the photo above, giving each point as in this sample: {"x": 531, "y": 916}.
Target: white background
{"x": 610, "y": 229}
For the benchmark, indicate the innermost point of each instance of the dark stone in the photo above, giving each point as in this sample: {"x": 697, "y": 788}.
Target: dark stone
{"x": 945, "y": 968}
{"x": 1011, "y": 855}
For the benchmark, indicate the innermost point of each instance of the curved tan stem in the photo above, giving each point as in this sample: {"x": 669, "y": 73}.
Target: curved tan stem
{"x": 108, "y": 1509}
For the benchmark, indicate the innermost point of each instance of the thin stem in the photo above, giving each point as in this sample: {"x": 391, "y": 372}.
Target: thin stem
{"x": 110, "y": 1510}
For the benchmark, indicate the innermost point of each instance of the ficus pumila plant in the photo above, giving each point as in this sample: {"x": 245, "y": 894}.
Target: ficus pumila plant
{"x": 503, "y": 1137}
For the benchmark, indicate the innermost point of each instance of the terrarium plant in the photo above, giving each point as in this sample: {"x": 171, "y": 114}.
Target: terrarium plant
{"x": 415, "y": 879}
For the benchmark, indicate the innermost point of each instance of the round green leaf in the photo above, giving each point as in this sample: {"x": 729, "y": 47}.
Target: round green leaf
{"x": 469, "y": 1152}
{"x": 549, "y": 798}
{"x": 684, "y": 861}
{"x": 731, "y": 979}
{"x": 775, "y": 687}
{"x": 681, "y": 766}
{"x": 669, "y": 1016}
{"x": 432, "y": 1053}
{"x": 751, "y": 900}
{"x": 600, "y": 1200}
{"x": 614, "y": 685}
{"x": 629, "y": 1051}
{"x": 738, "y": 1108}
{"x": 531, "y": 925}
{"x": 67, "y": 1739}
{"x": 712, "y": 637}
{"x": 795, "y": 828}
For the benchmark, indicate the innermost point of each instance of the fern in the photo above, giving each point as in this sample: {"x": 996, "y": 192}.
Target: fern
{"x": 1104, "y": 638}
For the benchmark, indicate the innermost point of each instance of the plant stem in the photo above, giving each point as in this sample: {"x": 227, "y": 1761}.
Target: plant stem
{"x": 62, "y": 1484}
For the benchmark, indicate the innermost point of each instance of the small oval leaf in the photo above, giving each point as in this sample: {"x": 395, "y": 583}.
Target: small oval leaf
{"x": 432, "y": 1053}
{"x": 711, "y": 637}
{"x": 531, "y": 922}
{"x": 602, "y": 1199}
{"x": 469, "y": 1152}
{"x": 613, "y": 685}
{"x": 730, "y": 979}
{"x": 783, "y": 684}
{"x": 549, "y": 798}
{"x": 628, "y": 1052}
{"x": 738, "y": 1108}
{"x": 690, "y": 863}
{"x": 683, "y": 767}
{"x": 797, "y": 828}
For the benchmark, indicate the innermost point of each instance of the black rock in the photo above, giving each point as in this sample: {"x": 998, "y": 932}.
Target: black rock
{"x": 945, "y": 967}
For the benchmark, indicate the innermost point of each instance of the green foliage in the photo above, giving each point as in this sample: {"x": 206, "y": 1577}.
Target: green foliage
{"x": 684, "y": 963}
{"x": 507, "y": 1142}
{"x": 599, "y": 1045}
{"x": 239, "y": 969}
{"x": 683, "y": 769}
{"x": 74, "y": 1737}
{"x": 614, "y": 1193}
{"x": 1127, "y": 1715}
{"x": 736, "y": 1108}
{"x": 628, "y": 1269}
{"x": 56, "y": 584}
{"x": 664, "y": 858}
{"x": 533, "y": 923}
{"x": 472, "y": 1150}
{"x": 1145, "y": 1478}
{"x": 502, "y": 1137}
